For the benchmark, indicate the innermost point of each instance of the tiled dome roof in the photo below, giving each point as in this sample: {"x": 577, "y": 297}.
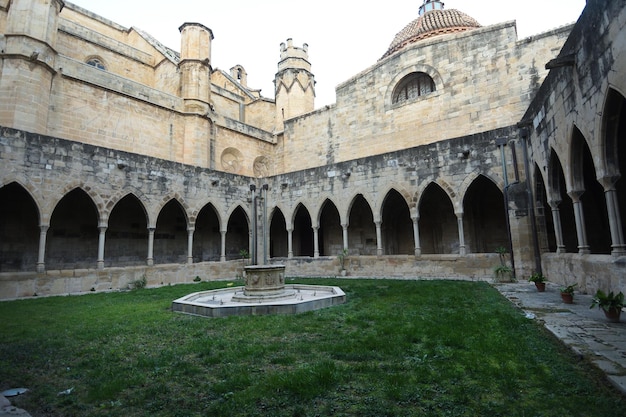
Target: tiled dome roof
{"x": 432, "y": 23}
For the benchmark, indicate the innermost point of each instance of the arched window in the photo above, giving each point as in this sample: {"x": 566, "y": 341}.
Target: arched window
{"x": 96, "y": 62}
{"x": 412, "y": 86}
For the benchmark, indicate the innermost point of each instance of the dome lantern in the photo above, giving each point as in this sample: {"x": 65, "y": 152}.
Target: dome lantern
{"x": 430, "y": 5}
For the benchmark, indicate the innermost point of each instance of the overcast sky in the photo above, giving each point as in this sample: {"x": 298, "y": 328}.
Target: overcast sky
{"x": 344, "y": 36}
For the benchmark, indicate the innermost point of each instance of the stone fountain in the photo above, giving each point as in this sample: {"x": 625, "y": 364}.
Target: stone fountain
{"x": 264, "y": 292}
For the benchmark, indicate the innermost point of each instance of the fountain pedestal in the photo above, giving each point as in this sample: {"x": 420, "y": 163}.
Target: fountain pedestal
{"x": 264, "y": 282}
{"x": 264, "y": 292}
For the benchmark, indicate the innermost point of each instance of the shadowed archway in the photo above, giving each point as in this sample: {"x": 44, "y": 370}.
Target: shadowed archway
{"x": 238, "y": 234}
{"x": 330, "y": 231}
{"x": 302, "y": 232}
{"x": 170, "y": 236}
{"x": 207, "y": 239}
{"x": 72, "y": 240}
{"x": 127, "y": 234}
{"x": 397, "y": 226}
{"x": 19, "y": 229}
{"x": 279, "y": 245}
{"x": 361, "y": 229}
{"x": 484, "y": 217}
{"x": 439, "y": 233}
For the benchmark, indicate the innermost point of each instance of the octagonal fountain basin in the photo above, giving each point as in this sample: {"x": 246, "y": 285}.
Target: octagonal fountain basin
{"x": 264, "y": 292}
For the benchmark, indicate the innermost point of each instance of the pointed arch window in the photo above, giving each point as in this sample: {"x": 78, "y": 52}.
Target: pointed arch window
{"x": 414, "y": 85}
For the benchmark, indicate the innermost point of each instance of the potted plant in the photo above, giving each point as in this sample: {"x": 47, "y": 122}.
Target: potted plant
{"x": 342, "y": 262}
{"x": 567, "y": 294}
{"x": 503, "y": 272}
{"x": 610, "y": 303}
{"x": 540, "y": 281}
{"x": 245, "y": 256}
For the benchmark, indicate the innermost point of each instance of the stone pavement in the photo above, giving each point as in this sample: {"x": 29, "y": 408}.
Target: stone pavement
{"x": 6, "y": 409}
{"x": 586, "y": 331}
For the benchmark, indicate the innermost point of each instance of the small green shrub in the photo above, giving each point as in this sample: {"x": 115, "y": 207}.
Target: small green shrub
{"x": 569, "y": 289}
{"x": 537, "y": 277}
{"x": 139, "y": 283}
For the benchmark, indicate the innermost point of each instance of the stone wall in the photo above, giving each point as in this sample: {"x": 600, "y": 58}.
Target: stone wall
{"x": 590, "y": 272}
{"x": 82, "y": 281}
{"x": 469, "y": 70}
{"x": 49, "y": 167}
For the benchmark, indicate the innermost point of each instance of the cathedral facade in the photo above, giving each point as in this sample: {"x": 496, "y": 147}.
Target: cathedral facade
{"x": 461, "y": 148}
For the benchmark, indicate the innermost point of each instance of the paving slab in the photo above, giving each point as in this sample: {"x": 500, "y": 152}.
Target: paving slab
{"x": 586, "y": 331}
{"x": 6, "y": 409}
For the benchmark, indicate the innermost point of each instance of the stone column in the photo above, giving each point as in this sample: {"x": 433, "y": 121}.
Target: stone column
{"x": 579, "y": 215}
{"x": 344, "y": 228}
{"x": 416, "y": 235}
{"x": 558, "y": 227}
{"x": 618, "y": 247}
{"x": 379, "y": 238}
{"x": 43, "y": 232}
{"x": 254, "y": 254}
{"x": 150, "y": 260}
{"x": 316, "y": 243}
{"x": 190, "y": 245}
{"x": 101, "y": 240}
{"x": 290, "y": 243}
{"x": 223, "y": 246}
{"x": 459, "y": 220}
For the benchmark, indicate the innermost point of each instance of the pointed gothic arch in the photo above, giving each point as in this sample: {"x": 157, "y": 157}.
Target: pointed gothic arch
{"x": 72, "y": 239}
{"x": 19, "y": 229}
{"x": 614, "y": 145}
{"x": 543, "y": 214}
{"x": 126, "y": 241}
{"x": 302, "y": 236}
{"x": 207, "y": 237}
{"x": 396, "y": 225}
{"x": 559, "y": 200}
{"x": 170, "y": 235}
{"x": 361, "y": 229}
{"x": 237, "y": 233}
{"x": 279, "y": 244}
{"x": 594, "y": 220}
{"x": 437, "y": 222}
{"x": 330, "y": 234}
{"x": 484, "y": 216}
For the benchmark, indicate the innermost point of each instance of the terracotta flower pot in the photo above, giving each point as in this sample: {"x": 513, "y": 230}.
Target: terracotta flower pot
{"x": 567, "y": 297}
{"x": 613, "y": 314}
{"x": 541, "y": 286}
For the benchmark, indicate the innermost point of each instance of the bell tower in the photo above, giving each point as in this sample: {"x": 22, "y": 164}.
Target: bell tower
{"x": 294, "y": 84}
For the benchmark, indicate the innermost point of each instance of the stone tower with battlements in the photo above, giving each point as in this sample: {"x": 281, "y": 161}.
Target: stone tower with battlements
{"x": 294, "y": 84}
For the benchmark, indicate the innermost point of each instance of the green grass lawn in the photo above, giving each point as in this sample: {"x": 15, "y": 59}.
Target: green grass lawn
{"x": 396, "y": 348}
